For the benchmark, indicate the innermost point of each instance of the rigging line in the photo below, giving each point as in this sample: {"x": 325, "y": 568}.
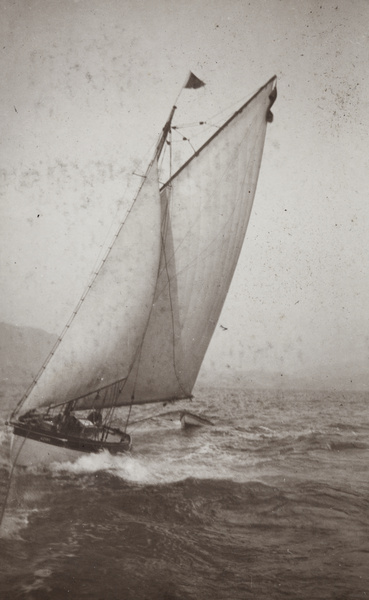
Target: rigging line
{"x": 109, "y": 235}
{"x": 165, "y": 216}
{"x": 165, "y": 219}
{"x": 128, "y": 417}
{"x": 197, "y": 129}
{"x": 137, "y": 357}
{"x": 199, "y": 135}
{"x": 194, "y": 151}
{"x": 186, "y": 139}
{"x": 81, "y": 300}
{"x": 172, "y": 315}
{"x": 110, "y": 412}
{"x": 10, "y": 479}
{"x": 170, "y": 154}
{"x": 139, "y": 350}
{"x": 162, "y": 156}
{"x": 169, "y": 289}
{"x": 193, "y": 124}
{"x": 98, "y": 390}
{"x": 149, "y": 152}
{"x": 220, "y": 117}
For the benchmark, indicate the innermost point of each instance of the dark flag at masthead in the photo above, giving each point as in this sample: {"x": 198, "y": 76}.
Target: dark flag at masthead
{"x": 193, "y": 82}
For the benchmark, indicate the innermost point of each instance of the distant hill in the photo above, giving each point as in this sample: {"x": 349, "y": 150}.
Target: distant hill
{"x": 22, "y": 352}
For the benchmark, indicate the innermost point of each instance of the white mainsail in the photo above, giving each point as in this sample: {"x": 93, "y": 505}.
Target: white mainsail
{"x": 206, "y": 208}
{"x": 100, "y": 344}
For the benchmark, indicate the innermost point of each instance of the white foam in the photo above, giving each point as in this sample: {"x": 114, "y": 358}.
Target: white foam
{"x": 202, "y": 462}
{"x": 14, "y": 521}
{"x": 4, "y": 436}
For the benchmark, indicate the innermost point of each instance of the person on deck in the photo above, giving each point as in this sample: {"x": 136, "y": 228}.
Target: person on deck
{"x": 95, "y": 417}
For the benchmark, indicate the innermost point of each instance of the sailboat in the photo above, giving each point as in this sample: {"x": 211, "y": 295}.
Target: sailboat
{"x": 140, "y": 331}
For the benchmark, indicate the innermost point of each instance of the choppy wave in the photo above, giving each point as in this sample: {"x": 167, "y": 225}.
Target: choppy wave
{"x": 271, "y": 502}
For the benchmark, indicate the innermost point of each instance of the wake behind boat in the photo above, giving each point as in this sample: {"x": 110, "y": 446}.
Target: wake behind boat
{"x": 141, "y": 329}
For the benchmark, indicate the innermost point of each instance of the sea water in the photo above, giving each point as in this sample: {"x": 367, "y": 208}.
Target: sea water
{"x": 271, "y": 502}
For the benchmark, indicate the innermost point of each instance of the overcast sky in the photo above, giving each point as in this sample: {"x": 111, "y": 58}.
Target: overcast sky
{"x": 86, "y": 88}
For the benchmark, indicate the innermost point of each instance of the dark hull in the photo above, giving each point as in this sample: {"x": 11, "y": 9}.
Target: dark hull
{"x": 36, "y": 446}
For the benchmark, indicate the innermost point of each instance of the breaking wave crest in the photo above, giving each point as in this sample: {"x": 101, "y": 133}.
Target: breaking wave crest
{"x": 141, "y": 469}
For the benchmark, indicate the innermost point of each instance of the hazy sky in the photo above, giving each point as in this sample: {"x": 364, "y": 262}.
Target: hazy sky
{"x": 87, "y": 86}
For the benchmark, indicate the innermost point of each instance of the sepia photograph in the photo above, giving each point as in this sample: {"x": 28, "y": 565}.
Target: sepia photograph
{"x": 184, "y": 332}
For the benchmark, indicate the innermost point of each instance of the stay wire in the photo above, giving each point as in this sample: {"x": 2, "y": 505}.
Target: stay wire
{"x": 3, "y": 508}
